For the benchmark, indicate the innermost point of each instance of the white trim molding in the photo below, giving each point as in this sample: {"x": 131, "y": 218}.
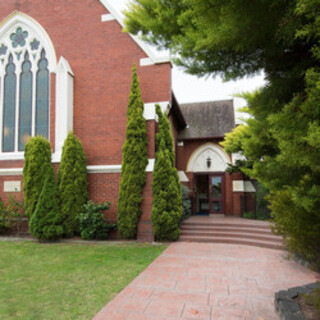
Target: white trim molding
{"x": 12, "y": 156}
{"x": 116, "y": 168}
{"x": 143, "y": 62}
{"x": 150, "y": 166}
{"x": 11, "y": 172}
{"x": 237, "y": 156}
{"x": 64, "y": 104}
{"x": 150, "y": 109}
{"x": 107, "y": 17}
{"x": 198, "y": 160}
{"x": 91, "y": 169}
{"x": 182, "y": 176}
{"x": 243, "y": 186}
{"x": 104, "y": 169}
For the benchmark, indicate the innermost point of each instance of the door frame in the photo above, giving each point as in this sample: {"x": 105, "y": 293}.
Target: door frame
{"x": 223, "y": 190}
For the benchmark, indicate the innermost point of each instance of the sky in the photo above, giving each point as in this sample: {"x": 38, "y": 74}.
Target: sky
{"x": 189, "y": 88}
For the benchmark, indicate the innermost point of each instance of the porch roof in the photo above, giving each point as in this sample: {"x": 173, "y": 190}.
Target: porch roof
{"x": 211, "y": 119}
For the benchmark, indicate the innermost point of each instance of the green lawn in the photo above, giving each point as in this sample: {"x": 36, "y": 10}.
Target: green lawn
{"x": 66, "y": 281}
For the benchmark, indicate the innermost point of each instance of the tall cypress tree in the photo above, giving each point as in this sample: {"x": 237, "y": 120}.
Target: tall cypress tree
{"x": 165, "y": 133}
{"x": 134, "y": 162}
{"x": 46, "y": 221}
{"x": 166, "y": 187}
{"x": 72, "y": 183}
{"x": 37, "y": 160}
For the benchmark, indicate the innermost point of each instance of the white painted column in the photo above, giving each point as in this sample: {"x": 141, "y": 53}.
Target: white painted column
{"x": 64, "y": 105}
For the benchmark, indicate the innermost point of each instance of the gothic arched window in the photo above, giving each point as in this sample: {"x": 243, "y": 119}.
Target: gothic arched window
{"x": 24, "y": 88}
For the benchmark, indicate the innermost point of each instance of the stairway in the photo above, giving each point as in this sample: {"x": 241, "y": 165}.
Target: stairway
{"x": 229, "y": 230}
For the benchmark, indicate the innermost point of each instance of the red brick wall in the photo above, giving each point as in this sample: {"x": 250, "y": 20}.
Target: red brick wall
{"x": 101, "y": 57}
{"x": 105, "y": 187}
{"x": 5, "y": 196}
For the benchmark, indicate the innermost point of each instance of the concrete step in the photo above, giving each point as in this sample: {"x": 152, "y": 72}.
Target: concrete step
{"x": 230, "y": 240}
{"x": 220, "y": 224}
{"x": 233, "y": 234}
{"x": 224, "y": 229}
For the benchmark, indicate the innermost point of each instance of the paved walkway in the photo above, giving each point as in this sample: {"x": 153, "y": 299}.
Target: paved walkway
{"x": 208, "y": 282}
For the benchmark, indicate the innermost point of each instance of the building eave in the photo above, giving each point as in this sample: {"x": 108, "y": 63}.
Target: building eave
{"x": 152, "y": 58}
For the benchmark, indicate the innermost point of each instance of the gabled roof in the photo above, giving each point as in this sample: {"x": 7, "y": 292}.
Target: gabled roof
{"x": 119, "y": 17}
{"x": 176, "y": 112}
{"x": 207, "y": 119}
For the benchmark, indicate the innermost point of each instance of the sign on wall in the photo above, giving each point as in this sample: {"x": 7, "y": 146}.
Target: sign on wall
{"x": 12, "y": 186}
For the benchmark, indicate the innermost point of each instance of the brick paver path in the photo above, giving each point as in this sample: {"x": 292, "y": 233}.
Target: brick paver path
{"x": 208, "y": 282}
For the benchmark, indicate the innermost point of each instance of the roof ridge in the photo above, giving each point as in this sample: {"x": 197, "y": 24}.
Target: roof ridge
{"x": 204, "y": 102}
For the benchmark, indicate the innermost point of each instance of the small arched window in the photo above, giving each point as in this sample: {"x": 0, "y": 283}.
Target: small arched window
{"x": 24, "y": 86}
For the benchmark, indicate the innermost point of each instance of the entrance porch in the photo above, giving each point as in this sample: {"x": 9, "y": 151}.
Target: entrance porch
{"x": 224, "y": 229}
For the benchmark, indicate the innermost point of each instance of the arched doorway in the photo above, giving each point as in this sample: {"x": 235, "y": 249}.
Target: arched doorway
{"x": 208, "y": 164}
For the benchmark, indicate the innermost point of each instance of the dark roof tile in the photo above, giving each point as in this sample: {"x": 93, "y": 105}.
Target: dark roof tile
{"x": 207, "y": 119}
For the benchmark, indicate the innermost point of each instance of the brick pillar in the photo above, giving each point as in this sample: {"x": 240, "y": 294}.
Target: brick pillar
{"x": 145, "y": 230}
{"x": 229, "y": 195}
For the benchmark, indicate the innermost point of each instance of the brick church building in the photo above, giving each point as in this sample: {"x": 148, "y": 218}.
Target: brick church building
{"x": 65, "y": 65}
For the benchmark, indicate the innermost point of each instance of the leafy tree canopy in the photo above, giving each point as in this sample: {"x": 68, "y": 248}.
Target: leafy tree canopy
{"x": 233, "y": 38}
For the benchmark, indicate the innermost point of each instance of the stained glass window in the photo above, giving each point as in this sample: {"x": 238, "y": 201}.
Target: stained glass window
{"x": 42, "y": 116}
{"x": 25, "y": 114}
{"x": 24, "y": 79}
{"x": 9, "y": 106}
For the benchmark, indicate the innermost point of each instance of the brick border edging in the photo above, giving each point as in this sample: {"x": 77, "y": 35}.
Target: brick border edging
{"x": 80, "y": 241}
{"x": 285, "y": 305}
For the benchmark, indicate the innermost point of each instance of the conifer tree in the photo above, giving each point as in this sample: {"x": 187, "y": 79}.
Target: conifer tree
{"x": 166, "y": 187}
{"x": 165, "y": 132}
{"x": 72, "y": 183}
{"x": 37, "y": 160}
{"x": 167, "y": 203}
{"x": 134, "y": 162}
{"x": 46, "y": 222}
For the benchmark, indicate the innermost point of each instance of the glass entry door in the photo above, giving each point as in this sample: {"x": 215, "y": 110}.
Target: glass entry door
{"x": 209, "y": 193}
{"x": 216, "y": 193}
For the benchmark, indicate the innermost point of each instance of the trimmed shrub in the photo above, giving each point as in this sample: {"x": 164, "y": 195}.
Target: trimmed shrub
{"x": 72, "y": 183}
{"x": 134, "y": 163}
{"x": 186, "y": 203}
{"x": 46, "y": 222}
{"x": 92, "y": 221}
{"x": 37, "y": 160}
